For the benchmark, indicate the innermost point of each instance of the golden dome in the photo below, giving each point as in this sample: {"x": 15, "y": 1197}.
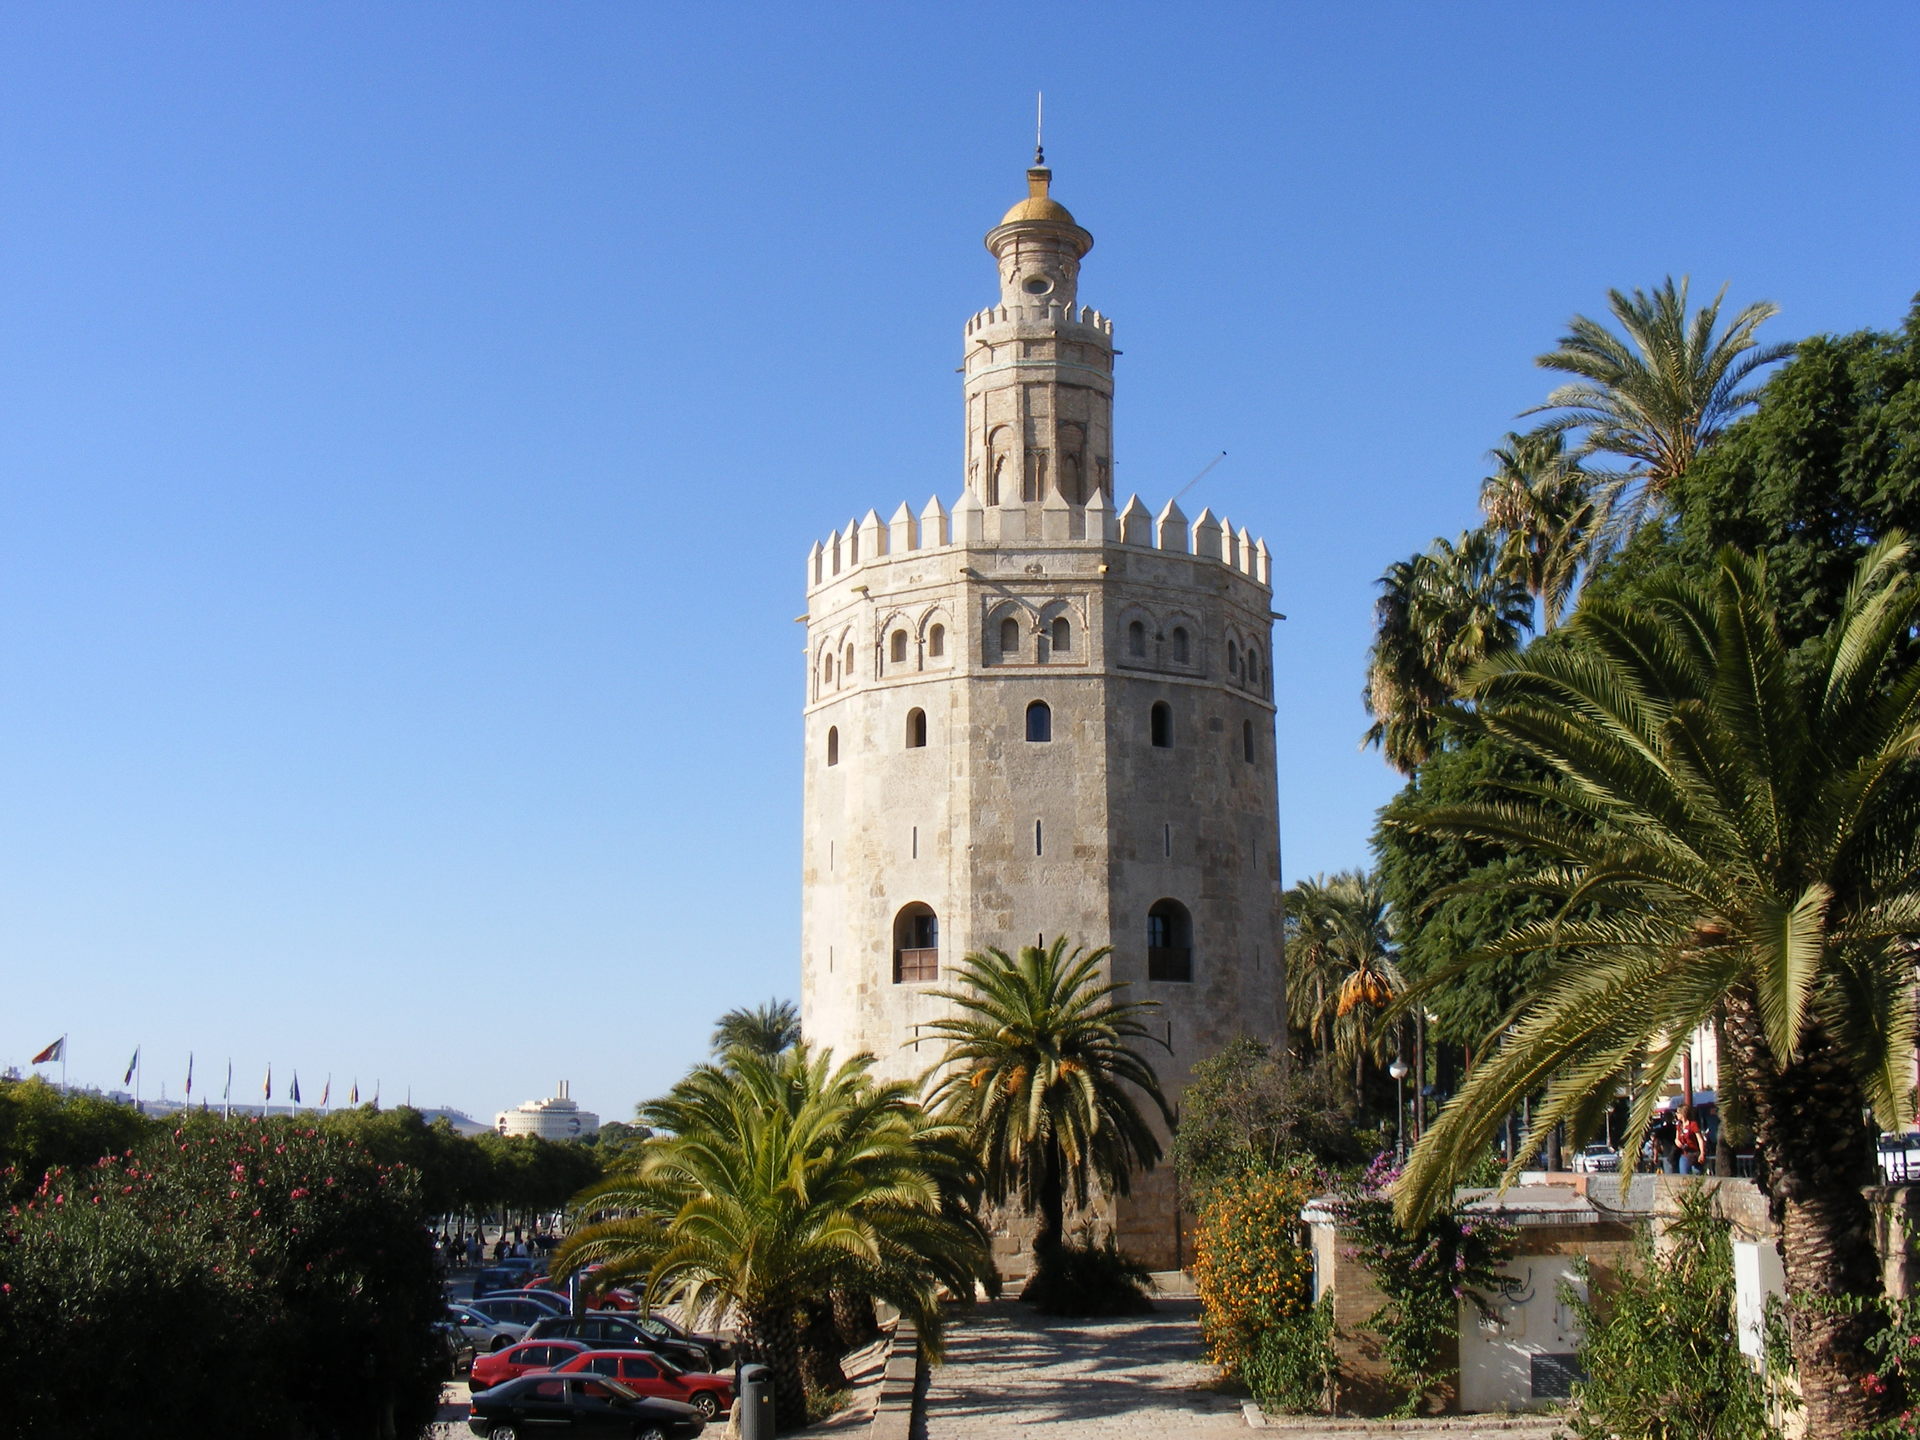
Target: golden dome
{"x": 1038, "y": 205}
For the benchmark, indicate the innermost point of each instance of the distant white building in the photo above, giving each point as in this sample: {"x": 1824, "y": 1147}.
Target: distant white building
{"x": 555, "y": 1118}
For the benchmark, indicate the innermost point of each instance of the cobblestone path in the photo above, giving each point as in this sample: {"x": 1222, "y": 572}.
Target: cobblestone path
{"x": 1009, "y": 1372}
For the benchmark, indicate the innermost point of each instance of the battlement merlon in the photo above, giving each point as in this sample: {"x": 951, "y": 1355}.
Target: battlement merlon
{"x": 970, "y": 526}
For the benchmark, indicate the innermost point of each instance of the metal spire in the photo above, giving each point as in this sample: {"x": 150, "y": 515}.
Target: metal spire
{"x": 1039, "y": 117}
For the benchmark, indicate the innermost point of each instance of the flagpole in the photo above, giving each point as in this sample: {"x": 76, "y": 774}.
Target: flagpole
{"x": 63, "y": 1064}
{"x": 226, "y": 1096}
{"x": 136, "y": 1080}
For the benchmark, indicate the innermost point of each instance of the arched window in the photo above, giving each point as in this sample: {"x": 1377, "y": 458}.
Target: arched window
{"x": 1253, "y": 666}
{"x": 833, "y": 745}
{"x": 897, "y": 648}
{"x": 1169, "y": 942}
{"x": 916, "y": 945}
{"x": 1233, "y": 658}
{"x": 937, "y": 641}
{"x": 826, "y": 672}
{"x": 1039, "y": 721}
{"x": 1009, "y": 639}
{"x": 1136, "y": 639}
{"x": 846, "y": 665}
{"x": 1180, "y": 648}
{"x": 1160, "y": 725}
{"x": 1062, "y": 637}
{"x": 1246, "y": 740}
{"x": 916, "y": 729}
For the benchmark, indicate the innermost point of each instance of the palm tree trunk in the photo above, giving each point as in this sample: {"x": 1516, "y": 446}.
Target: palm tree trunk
{"x": 1807, "y": 1124}
{"x": 768, "y": 1337}
{"x": 1051, "y": 1193}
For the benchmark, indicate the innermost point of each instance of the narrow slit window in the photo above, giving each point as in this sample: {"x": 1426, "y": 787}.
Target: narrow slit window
{"x": 1246, "y": 740}
{"x": 1166, "y": 840}
{"x": 846, "y": 665}
{"x": 833, "y": 745}
{"x": 1233, "y": 658}
{"x": 916, "y": 842}
{"x": 1039, "y": 722}
{"x": 1160, "y": 725}
{"x": 1039, "y": 839}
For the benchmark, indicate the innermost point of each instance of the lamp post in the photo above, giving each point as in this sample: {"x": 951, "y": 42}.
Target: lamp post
{"x": 1398, "y": 1070}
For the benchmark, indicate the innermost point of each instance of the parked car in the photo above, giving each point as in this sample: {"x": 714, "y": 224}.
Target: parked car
{"x": 620, "y": 1332}
{"x": 719, "y": 1351}
{"x": 585, "y": 1405}
{"x": 523, "y": 1359}
{"x": 1597, "y": 1160}
{"x": 454, "y": 1345}
{"x": 484, "y": 1331}
{"x": 646, "y": 1374}
{"x": 516, "y": 1307}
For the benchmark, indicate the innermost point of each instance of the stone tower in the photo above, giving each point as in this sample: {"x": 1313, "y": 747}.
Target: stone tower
{"x": 1041, "y": 714}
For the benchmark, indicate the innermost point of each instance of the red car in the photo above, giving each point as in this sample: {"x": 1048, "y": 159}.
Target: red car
{"x": 711, "y": 1395}
{"x": 613, "y": 1299}
{"x": 523, "y": 1359}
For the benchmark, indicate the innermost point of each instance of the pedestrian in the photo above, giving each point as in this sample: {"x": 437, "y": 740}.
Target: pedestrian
{"x": 1690, "y": 1144}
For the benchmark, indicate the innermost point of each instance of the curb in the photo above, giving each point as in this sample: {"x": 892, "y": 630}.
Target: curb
{"x": 893, "y": 1415}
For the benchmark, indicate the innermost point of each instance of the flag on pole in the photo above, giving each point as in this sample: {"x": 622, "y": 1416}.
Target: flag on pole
{"x": 325, "y": 1091}
{"x": 53, "y": 1052}
{"x": 266, "y": 1087}
{"x": 132, "y": 1065}
{"x": 294, "y": 1093}
{"x": 189, "y": 1074}
{"x": 353, "y": 1095}
{"x": 376, "y": 1094}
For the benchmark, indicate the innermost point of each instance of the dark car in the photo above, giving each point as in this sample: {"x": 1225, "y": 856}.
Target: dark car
{"x": 455, "y": 1348}
{"x": 719, "y": 1351}
{"x": 619, "y": 1332}
{"x": 516, "y": 1308}
{"x": 587, "y": 1405}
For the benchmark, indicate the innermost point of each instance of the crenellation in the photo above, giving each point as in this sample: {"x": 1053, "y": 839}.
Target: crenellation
{"x": 1206, "y": 536}
{"x": 933, "y": 525}
{"x": 1170, "y": 531}
{"x": 900, "y": 536}
{"x": 1136, "y": 523}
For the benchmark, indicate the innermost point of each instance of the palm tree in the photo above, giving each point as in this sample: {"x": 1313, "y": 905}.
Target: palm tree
{"x": 1744, "y": 834}
{"x": 1539, "y": 503}
{"x": 1657, "y": 394}
{"x": 1041, "y": 1071}
{"x": 776, "y": 1179}
{"x": 766, "y": 1029}
{"x": 1341, "y": 978}
{"x": 1438, "y": 615}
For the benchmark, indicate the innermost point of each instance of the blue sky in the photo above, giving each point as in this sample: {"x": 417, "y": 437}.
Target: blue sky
{"x": 415, "y": 416}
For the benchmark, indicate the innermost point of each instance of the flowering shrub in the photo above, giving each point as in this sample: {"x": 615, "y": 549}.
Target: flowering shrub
{"x": 243, "y": 1280}
{"x": 1252, "y": 1261}
{"x": 1424, "y": 1277}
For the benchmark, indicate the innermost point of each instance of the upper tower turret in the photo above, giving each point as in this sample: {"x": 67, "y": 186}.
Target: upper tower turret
{"x": 1039, "y": 377}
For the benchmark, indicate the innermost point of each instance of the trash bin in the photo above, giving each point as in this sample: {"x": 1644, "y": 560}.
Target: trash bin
{"x": 755, "y": 1389}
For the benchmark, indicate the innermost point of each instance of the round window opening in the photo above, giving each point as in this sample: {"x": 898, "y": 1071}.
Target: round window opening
{"x": 1037, "y": 285}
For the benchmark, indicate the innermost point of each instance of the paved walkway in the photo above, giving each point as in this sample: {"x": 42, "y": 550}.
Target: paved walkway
{"x": 1009, "y": 1372}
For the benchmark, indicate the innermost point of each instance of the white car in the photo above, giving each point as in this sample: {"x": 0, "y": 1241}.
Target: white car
{"x": 1597, "y": 1160}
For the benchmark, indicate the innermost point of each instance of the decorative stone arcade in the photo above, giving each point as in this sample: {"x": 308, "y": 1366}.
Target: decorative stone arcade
{"x": 1039, "y": 714}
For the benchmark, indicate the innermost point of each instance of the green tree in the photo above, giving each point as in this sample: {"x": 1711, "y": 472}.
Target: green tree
{"x": 41, "y": 1127}
{"x": 1042, "y": 1071}
{"x": 1751, "y": 844}
{"x": 1438, "y": 615}
{"x": 1251, "y": 1110}
{"x": 776, "y": 1179}
{"x": 1656, "y": 394}
{"x": 1539, "y": 504}
{"x": 767, "y": 1029}
{"x": 1341, "y": 976}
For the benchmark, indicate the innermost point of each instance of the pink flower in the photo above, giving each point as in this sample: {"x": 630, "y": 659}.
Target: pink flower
{"x": 298, "y": 1193}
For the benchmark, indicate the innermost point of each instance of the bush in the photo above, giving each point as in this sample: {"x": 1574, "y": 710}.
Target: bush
{"x": 1253, "y": 1261}
{"x": 1661, "y": 1356}
{"x": 1292, "y": 1368}
{"x": 1424, "y": 1277}
{"x": 1090, "y": 1275}
{"x": 256, "y": 1280}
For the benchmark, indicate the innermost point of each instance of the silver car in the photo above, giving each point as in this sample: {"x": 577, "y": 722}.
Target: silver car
{"x": 484, "y": 1331}
{"x": 1597, "y": 1160}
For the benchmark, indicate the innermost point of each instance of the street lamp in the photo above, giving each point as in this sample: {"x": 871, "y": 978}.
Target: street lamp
{"x": 1398, "y": 1070}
